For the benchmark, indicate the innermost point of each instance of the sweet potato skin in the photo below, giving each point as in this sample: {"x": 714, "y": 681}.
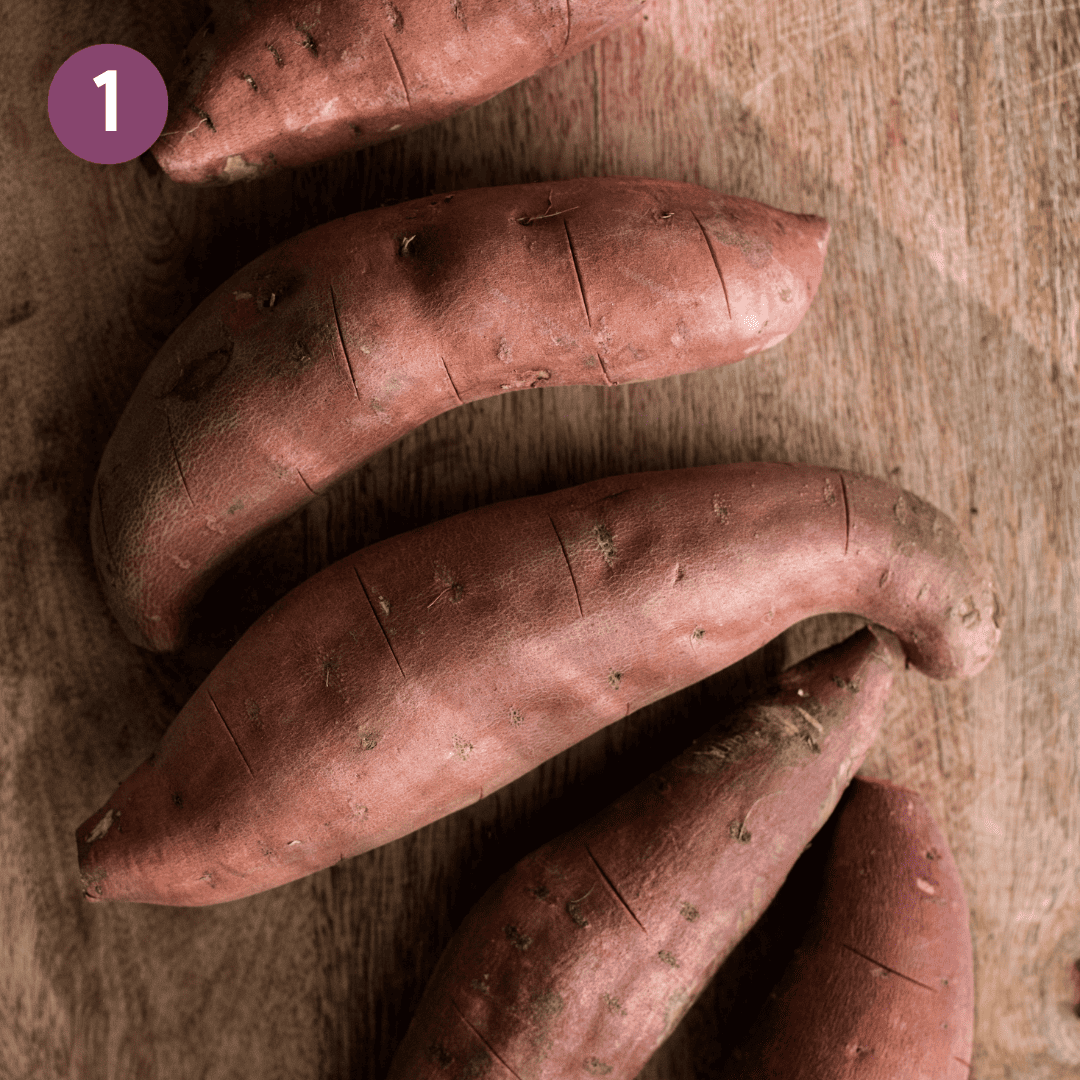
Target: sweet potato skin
{"x": 338, "y": 342}
{"x": 267, "y": 84}
{"x": 882, "y": 988}
{"x": 413, "y": 677}
{"x": 582, "y": 958}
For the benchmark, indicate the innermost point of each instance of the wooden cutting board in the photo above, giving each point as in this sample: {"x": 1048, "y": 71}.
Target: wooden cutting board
{"x": 942, "y": 143}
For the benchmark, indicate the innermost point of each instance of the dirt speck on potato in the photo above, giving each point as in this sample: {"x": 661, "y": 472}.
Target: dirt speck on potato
{"x": 103, "y": 826}
{"x": 614, "y": 1005}
{"x": 451, "y": 588}
{"x": 573, "y": 909}
{"x": 546, "y": 1005}
{"x": 238, "y": 168}
{"x": 520, "y": 941}
{"x": 605, "y": 543}
{"x": 737, "y": 830}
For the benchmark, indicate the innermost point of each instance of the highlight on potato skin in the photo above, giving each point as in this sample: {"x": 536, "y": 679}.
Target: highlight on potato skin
{"x": 883, "y": 986}
{"x": 267, "y": 84}
{"x": 585, "y": 956}
{"x": 423, "y": 672}
{"x": 338, "y": 342}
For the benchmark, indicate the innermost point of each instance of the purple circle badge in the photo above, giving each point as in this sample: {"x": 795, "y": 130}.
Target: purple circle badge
{"x": 107, "y": 104}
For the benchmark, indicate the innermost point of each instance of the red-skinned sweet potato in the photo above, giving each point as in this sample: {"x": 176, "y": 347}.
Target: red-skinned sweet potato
{"x": 582, "y": 959}
{"x": 422, "y": 672}
{"x": 882, "y": 987}
{"x": 338, "y": 342}
{"x": 272, "y": 83}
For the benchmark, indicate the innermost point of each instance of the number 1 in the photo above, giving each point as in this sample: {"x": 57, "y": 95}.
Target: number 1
{"x": 108, "y": 80}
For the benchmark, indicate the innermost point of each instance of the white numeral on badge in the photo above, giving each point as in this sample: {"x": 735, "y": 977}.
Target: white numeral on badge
{"x": 108, "y": 80}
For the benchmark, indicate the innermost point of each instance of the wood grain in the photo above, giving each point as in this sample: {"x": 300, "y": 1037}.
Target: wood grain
{"x": 943, "y": 143}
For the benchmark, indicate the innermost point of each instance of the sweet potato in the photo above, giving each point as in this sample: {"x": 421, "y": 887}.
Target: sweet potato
{"x": 336, "y": 343}
{"x": 272, "y": 83}
{"x": 582, "y": 959}
{"x": 882, "y": 987}
{"x": 425, "y": 671}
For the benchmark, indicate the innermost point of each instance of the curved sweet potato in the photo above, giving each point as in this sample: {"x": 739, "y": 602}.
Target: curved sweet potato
{"x": 883, "y": 986}
{"x": 272, "y": 83}
{"x": 411, "y": 678}
{"x": 338, "y": 342}
{"x": 582, "y": 959}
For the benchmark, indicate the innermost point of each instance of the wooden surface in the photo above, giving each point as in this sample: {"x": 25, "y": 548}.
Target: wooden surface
{"x": 941, "y": 140}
